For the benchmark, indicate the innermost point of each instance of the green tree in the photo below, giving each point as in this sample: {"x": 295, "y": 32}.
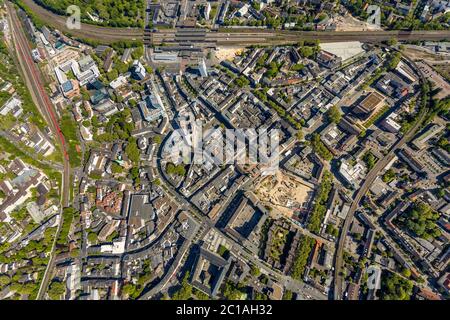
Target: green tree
{"x": 178, "y": 170}
{"x": 421, "y": 221}
{"x": 304, "y": 248}
{"x": 370, "y": 160}
{"x": 92, "y": 237}
{"x": 306, "y": 52}
{"x": 288, "y": 295}
{"x": 389, "y": 175}
{"x": 132, "y": 150}
{"x": 392, "y": 41}
{"x": 129, "y": 289}
{"x": 393, "y": 60}
{"x": 334, "y": 114}
{"x": 319, "y": 209}
{"x": 298, "y": 67}
{"x": 85, "y": 94}
{"x": 112, "y": 75}
{"x": 137, "y": 53}
{"x": 185, "y": 292}
{"x": 320, "y": 148}
{"x": 406, "y": 272}
{"x": 56, "y": 289}
{"x": 394, "y": 287}
{"x": 116, "y": 168}
{"x": 4, "y": 280}
{"x": 254, "y": 271}
{"x": 157, "y": 139}
{"x": 232, "y": 291}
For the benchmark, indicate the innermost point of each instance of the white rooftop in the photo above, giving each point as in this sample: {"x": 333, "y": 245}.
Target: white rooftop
{"x": 344, "y": 50}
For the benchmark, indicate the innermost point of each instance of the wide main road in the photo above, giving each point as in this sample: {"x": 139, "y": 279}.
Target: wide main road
{"x": 370, "y": 178}
{"x": 228, "y": 36}
{"x": 40, "y": 97}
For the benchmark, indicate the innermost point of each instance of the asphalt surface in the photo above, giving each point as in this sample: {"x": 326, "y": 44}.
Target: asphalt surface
{"x": 228, "y": 36}
{"x": 40, "y": 97}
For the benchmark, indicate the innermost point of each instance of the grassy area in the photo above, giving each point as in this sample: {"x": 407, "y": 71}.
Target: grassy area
{"x": 4, "y": 97}
{"x": 56, "y": 156}
{"x": 69, "y": 129}
{"x": 71, "y": 187}
{"x": 163, "y": 27}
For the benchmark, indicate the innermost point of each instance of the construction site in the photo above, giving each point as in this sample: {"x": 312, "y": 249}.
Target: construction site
{"x": 284, "y": 193}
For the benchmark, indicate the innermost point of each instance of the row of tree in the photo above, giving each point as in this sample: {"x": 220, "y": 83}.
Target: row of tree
{"x": 320, "y": 206}
{"x": 115, "y": 13}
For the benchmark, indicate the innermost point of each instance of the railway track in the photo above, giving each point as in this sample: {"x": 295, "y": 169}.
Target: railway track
{"x": 87, "y": 31}
{"x": 225, "y": 36}
{"x": 41, "y": 99}
{"x": 265, "y": 37}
